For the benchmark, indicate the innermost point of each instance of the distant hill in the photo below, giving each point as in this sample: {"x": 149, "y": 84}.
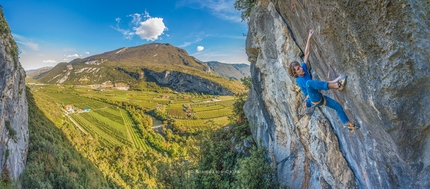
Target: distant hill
{"x": 37, "y": 73}
{"x": 236, "y": 71}
{"x": 134, "y": 67}
{"x": 148, "y": 55}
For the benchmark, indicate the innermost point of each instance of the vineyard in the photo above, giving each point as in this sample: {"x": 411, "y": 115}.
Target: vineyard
{"x": 133, "y": 131}
{"x": 114, "y": 126}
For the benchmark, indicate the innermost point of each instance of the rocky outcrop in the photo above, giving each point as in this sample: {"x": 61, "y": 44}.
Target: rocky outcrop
{"x": 231, "y": 71}
{"x": 13, "y": 108}
{"x": 183, "y": 82}
{"x": 383, "y": 46}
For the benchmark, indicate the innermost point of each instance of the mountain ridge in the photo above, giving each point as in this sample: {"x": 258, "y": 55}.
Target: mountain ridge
{"x": 236, "y": 71}
{"x": 127, "y": 65}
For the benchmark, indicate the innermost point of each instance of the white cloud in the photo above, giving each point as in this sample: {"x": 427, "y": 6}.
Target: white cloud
{"x": 200, "y": 48}
{"x": 151, "y": 29}
{"x": 26, "y": 42}
{"x": 136, "y": 18}
{"x": 187, "y": 43}
{"x": 126, "y": 33}
{"x": 49, "y": 61}
{"x": 146, "y": 15}
{"x": 87, "y": 52}
{"x": 72, "y": 56}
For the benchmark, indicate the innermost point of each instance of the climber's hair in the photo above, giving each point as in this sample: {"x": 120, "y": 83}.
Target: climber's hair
{"x": 291, "y": 70}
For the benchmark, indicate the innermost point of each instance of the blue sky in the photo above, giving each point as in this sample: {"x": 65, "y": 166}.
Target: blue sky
{"x": 51, "y": 31}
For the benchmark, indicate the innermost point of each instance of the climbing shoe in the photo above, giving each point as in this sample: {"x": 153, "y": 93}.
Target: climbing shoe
{"x": 310, "y": 110}
{"x": 342, "y": 82}
{"x": 352, "y": 127}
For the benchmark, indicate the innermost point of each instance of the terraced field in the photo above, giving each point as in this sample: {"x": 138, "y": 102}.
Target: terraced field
{"x": 133, "y": 132}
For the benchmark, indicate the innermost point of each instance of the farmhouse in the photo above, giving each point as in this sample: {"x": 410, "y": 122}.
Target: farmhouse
{"x": 69, "y": 108}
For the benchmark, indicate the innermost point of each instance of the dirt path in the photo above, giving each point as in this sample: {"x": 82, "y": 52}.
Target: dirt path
{"x": 76, "y": 124}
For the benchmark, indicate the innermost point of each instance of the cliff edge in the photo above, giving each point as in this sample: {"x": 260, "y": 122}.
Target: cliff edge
{"x": 13, "y": 108}
{"x": 384, "y": 48}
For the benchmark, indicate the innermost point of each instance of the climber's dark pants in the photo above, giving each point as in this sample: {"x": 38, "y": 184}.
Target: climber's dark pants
{"x": 314, "y": 95}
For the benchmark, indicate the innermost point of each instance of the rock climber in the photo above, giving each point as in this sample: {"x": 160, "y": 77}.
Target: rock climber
{"x": 310, "y": 88}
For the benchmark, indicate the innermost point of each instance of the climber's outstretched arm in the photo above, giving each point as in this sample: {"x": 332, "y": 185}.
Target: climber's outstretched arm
{"x": 308, "y": 48}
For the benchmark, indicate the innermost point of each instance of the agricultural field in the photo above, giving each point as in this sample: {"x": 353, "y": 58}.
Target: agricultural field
{"x": 109, "y": 112}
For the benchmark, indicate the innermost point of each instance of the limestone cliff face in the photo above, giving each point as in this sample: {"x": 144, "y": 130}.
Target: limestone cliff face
{"x": 383, "y": 46}
{"x": 13, "y": 107}
{"x": 183, "y": 82}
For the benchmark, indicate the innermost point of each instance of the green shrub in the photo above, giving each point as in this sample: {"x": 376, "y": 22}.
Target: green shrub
{"x": 245, "y": 6}
{"x": 5, "y": 32}
{"x": 254, "y": 171}
{"x": 11, "y": 131}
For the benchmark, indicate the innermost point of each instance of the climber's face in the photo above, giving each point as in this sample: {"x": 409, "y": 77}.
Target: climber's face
{"x": 299, "y": 71}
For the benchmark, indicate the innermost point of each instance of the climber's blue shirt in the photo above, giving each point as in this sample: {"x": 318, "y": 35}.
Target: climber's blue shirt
{"x": 301, "y": 81}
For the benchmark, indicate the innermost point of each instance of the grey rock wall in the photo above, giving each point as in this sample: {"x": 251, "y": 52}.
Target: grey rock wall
{"x": 13, "y": 108}
{"x": 383, "y": 46}
{"x": 183, "y": 82}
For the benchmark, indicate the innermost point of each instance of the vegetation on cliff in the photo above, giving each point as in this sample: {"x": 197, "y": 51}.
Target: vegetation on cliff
{"x": 8, "y": 42}
{"x": 244, "y": 6}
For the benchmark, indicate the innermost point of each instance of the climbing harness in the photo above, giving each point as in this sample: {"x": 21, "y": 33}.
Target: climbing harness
{"x": 310, "y": 110}
{"x": 317, "y": 104}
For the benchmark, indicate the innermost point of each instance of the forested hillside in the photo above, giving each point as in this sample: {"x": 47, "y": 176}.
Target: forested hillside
{"x": 52, "y": 161}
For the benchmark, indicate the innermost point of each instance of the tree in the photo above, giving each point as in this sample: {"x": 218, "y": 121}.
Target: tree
{"x": 244, "y": 6}
{"x": 254, "y": 172}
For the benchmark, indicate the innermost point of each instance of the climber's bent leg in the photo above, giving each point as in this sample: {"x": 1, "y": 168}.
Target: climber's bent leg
{"x": 336, "y": 106}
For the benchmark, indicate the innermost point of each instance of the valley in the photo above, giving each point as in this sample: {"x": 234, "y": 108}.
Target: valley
{"x": 108, "y": 114}
{"x": 126, "y": 134}
{"x": 148, "y": 116}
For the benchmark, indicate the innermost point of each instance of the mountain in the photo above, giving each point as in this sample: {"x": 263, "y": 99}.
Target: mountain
{"x": 148, "y": 55}
{"x": 132, "y": 67}
{"x": 236, "y": 71}
{"x": 37, "y": 73}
